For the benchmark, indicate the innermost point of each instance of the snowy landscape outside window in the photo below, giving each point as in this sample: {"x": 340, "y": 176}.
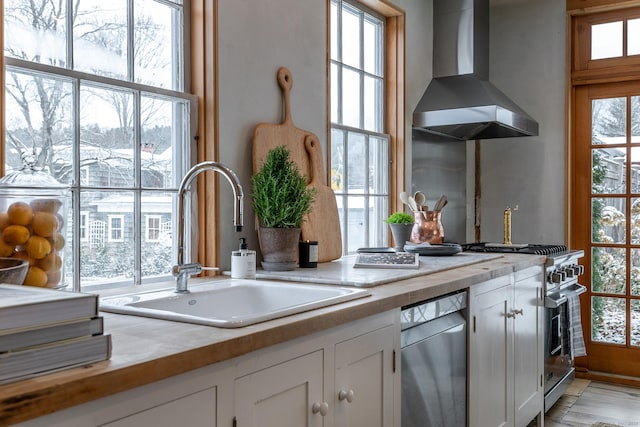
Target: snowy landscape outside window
{"x": 95, "y": 89}
{"x": 359, "y": 145}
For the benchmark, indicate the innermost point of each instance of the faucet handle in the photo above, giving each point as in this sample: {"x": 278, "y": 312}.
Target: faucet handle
{"x": 188, "y": 269}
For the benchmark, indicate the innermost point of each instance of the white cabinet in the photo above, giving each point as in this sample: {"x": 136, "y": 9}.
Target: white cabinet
{"x": 344, "y": 377}
{"x": 363, "y": 394}
{"x": 505, "y": 350}
{"x": 283, "y": 395}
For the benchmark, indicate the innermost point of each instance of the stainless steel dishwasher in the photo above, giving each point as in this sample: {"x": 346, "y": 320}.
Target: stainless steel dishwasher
{"x": 434, "y": 362}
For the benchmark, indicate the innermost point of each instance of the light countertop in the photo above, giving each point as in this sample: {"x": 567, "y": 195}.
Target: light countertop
{"x": 146, "y": 350}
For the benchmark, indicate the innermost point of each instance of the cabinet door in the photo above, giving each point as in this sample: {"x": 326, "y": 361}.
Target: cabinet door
{"x": 285, "y": 395}
{"x": 195, "y": 410}
{"x": 528, "y": 348}
{"x": 490, "y": 352}
{"x": 364, "y": 380}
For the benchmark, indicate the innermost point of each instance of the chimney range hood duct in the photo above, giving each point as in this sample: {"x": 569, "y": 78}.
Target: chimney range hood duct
{"x": 460, "y": 102}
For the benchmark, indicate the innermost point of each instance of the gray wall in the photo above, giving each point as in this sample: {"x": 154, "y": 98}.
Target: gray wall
{"x": 256, "y": 37}
{"x": 528, "y": 64}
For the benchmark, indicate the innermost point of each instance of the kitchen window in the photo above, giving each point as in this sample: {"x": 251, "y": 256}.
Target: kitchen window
{"x": 360, "y": 151}
{"x": 96, "y": 90}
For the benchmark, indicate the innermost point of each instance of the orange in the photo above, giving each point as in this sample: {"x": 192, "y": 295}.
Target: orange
{"x": 20, "y": 213}
{"x": 50, "y": 262}
{"x": 6, "y": 250}
{"x": 36, "y": 277}
{"x": 37, "y": 247}
{"x": 4, "y": 220}
{"x": 23, "y": 255}
{"x": 15, "y": 235}
{"x": 46, "y": 205}
{"x": 57, "y": 242}
{"x": 44, "y": 224}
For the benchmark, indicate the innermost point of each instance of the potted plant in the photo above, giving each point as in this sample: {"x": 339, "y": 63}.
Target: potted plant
{"x": 401, "y": 224}
{"x": 281, "y": 199}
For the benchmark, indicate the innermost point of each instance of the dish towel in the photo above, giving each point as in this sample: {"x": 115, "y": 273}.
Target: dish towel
{"x": 575, "y": 326}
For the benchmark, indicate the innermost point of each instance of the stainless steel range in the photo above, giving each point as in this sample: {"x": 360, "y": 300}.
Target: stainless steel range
{"x": 562, "y": 271}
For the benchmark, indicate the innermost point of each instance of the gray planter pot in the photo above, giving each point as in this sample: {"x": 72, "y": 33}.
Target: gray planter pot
{"x": 401, "y": 234}
{"x": 279, "y": 248}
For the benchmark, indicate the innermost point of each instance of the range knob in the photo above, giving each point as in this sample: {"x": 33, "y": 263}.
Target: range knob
{"x": 554, "y": 277}
{"x": 568, "y": 271}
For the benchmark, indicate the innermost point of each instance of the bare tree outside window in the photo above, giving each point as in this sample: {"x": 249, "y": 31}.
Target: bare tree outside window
{"x": 95, "y": 94}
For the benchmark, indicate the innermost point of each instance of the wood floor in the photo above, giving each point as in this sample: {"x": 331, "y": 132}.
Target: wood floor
{"x": 595, "y": 404}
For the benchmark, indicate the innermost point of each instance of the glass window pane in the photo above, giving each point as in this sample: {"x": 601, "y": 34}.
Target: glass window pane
{"x": 337, "y": 160}
{"x": 335, "y": 118}
{"x": 609, "y": 121}
{"x": 609, "y": 221}
{"x": 350, "y": 98}
{"x": 633, "y": 37}
{"x": 609, "y": 271}
{"x": 608, "y": 320}
{"x": 635, "y": 119}
{"x": 357, "y": 172}
{"x": 107, "y": 255}
{"x": 39, "y": 118}
{"x": 635, "y": 221}
{"x": 608, "y": 172}
{"x": 100, "y": 38}
{"x": 635, "y": 322}
{"x": 606, "y": 40}
{"x": 350, "y": 36}
{"x": 635, "y": 170}
{"x": 373, "y": 56}
{"x": 107, "y": 136}
{"x": 157, "y": 46}
{"x": 36, "y": 31}
{"x": 334, "y": 31}
{"x": 372, "y": 103}
{"x": 635, "y": 271}
{"x": 164, "y": 128}
{"x": 356, "y": 226}
{"x": 378, "y": 229}
{"x": 378, "y": 161}
{"x": 157, "y": 228}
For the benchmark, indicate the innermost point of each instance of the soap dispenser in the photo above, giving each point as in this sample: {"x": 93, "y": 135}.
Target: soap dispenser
{"x": 243, "y": 262}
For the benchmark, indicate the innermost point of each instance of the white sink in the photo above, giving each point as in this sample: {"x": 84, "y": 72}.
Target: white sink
{"x": 231, "y": 303}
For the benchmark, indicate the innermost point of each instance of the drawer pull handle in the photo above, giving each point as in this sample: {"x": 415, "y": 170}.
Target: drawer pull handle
{"x": 321, "y": 408}
{"x": 345, "y": 395}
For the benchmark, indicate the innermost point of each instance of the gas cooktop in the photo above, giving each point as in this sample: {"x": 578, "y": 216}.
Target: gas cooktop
{"x": 535, "y": 249}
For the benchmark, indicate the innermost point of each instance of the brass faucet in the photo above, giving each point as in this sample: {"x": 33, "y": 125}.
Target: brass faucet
{"x": 507, "y": 224}
{"x": 182, "y": 271}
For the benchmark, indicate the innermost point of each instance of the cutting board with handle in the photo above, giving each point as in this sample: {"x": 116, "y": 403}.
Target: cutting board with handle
{"x": 267, "y": 136}
{"x": 323, "y": 222}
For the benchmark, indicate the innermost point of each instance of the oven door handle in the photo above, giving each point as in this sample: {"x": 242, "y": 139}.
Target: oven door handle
{"x": 557, "y": 299}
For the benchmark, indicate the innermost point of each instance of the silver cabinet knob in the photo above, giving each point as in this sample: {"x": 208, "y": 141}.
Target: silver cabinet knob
{"x": 518, "y": 311}
{"x": 321, "y": 408}
{"x": 345, "y": 395}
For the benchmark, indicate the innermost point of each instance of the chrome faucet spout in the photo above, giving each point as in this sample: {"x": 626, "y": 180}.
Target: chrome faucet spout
{"x": 182, "y": 271}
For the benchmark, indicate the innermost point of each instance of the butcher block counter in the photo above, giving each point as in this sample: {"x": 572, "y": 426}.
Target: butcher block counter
{"x": 148, "y": 350}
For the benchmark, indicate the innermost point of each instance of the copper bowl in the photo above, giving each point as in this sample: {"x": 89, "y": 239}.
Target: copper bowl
{"x": 13, "y": 270}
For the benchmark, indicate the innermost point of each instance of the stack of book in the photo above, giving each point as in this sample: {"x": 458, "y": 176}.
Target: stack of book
{"x": 43, "y": 330}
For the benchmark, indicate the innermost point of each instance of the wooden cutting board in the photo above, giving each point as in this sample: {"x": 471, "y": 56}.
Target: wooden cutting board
{"x": 267, "y": 136}
{"x": 323, "y": 222}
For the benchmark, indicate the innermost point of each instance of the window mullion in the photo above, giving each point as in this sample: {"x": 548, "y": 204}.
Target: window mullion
{"x": 75, "y": 188}
{"x": 130, "y": 41}
{"x": 69, "y": 33}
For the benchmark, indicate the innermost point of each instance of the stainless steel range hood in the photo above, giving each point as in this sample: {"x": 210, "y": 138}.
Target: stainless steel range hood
{"x": 460, "y": 102}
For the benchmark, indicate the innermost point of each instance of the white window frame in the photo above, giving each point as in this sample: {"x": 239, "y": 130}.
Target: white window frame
{"x": 148, "y": 228}
{"x": 84, "y": 226}
{"x": 373, "y": 234}
{"x": 112, "y": 229}
{"x": 182, "y": 154}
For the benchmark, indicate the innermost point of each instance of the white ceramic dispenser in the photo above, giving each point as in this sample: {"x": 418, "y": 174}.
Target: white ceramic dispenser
{"x": 243, "y": 262}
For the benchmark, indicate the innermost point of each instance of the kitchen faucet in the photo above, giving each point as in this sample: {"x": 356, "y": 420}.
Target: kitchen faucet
{"x": 181, "y": 270}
